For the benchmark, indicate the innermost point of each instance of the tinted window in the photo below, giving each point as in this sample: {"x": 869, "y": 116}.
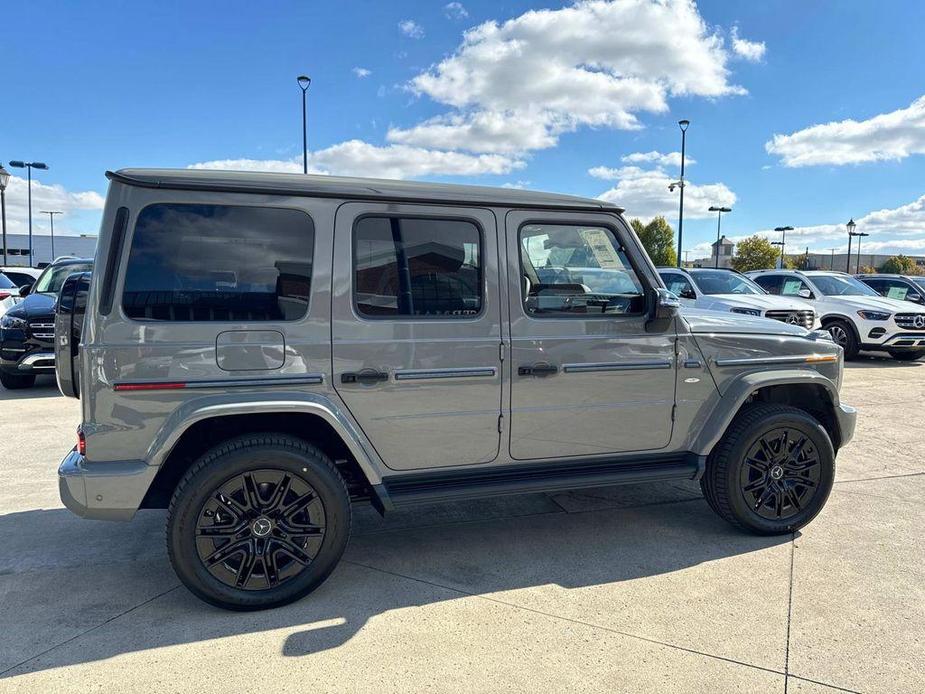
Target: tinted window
{"x": 5, "y": 283}
{"x": 792, "y": 286}
{"x": 678, "y": 285}
{"x": 770, "y": 283}
{"x": 219, "y": 263}
{"x": 50, "y": 281}
{"x": 406, "y": 266}
{"x": 723, "y": 282}
{"x": 841, "y": 285}
{"x": 571, "y": 269}
{"x": 20, "y": 279}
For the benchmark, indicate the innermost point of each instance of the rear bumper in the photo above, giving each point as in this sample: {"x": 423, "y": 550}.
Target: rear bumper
{"x": 847, "y": 417}
{"x": 103, "y": 491}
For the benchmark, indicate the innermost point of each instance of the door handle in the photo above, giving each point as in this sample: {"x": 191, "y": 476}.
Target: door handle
{"x": 538, "y": 370}
{"x": 366, "y": 377}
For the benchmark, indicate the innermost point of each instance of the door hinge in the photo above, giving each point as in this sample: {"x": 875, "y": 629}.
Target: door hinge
{"x": 500, "y": 420}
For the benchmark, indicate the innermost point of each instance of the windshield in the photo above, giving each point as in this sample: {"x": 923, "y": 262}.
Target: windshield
{"x": 5, "y": 282}
{"x": 919, "y": 281}
{"x": 841, "y": 285}
{"x": 50, "y": 281}
{"x": 722, "y": 282}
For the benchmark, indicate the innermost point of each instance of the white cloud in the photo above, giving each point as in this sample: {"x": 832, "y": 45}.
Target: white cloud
{"x": 45, "y": 197}
{"x": 644, "y": 193}
{"x": 362, "y": 72}
{"x": 516, "y": 185}
{"x": 888, "y": 136}
{"x": 671, "y": 159}
{"x": 359, "y": 158}
{"x": 411, "y": 29}
{"x": 752, "y": 51}
{"x": 455, "y": 10}
{"x": 595, "y": 63}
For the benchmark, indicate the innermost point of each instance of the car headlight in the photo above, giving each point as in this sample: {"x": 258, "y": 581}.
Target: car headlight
{"x": 874, "y": 315}
{"x": 746, "y": 311}
{"x": 13, "y": 323}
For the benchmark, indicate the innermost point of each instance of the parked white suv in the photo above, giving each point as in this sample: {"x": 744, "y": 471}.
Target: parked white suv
{"x": 726, "y": 290}
{"x": 856, "y": 316}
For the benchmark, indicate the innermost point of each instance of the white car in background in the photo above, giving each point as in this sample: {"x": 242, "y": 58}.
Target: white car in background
{"x": 856, "y": 316}
{"x": 9, "y": 294}
{"x": 727, "y": 290}
{"x": 21, "y": 276}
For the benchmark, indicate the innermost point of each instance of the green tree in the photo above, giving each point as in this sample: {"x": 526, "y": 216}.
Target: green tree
{"x": 657, "y": 238}
{"x": 900, "y": 265}
{"x": 755, "y": 253}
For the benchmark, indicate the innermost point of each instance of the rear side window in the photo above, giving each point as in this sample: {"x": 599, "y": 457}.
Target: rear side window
{"x": 415, "y": 267}
{"x": 770, "y": 283}
{"x": 5, "y": 283}
{"x": 219, "y": 263}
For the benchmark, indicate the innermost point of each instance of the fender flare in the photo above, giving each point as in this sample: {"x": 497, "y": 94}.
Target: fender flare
{"x": 742, "y": 387}
{"x": 212, "y": 406}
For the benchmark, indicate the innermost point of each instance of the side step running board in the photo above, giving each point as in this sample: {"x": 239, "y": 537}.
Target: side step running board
{"x": 432, "y": 486}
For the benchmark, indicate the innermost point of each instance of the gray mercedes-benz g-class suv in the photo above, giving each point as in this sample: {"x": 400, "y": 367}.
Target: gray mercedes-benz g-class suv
{"x": 255, "y": 352}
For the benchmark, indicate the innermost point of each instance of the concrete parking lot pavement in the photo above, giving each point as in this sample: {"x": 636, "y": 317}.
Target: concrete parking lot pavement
{"x": 638, "y": 589}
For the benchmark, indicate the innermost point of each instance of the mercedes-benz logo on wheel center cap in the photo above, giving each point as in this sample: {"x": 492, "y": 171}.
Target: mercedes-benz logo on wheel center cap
{"x": 262, "y": 526}
{"x": 919, "y": 321}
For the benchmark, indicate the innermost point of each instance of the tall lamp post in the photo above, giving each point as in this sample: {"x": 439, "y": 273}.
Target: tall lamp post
{"x": 832, "y": 261}
{"x": 857, "y": 268}
{"x": 850, "y": 225}
{"x": 304, "y": 82}
{"x": 51, "y": 219}
{"x": 783, "y": 240}
{"x": 4, "y": 179}
{"x": 719, "y": 216}
{"x": 683, "y": 124}
{"x": 29, "y": 165}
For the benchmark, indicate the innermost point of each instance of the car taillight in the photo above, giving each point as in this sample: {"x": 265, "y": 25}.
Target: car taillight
{"x": 81, "y": 442}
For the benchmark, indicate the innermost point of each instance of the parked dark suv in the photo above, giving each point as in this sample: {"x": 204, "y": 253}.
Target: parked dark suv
{"x": 27, "y": 331}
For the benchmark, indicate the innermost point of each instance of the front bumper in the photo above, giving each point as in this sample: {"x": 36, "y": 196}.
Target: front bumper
{"x": 900, "y": 341}
{"x": 103, "y": 491}
{"x": 847, "y": 417}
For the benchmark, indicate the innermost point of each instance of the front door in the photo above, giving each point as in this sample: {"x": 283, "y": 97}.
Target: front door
{"x": 587, "y": 377}
{"x": 416, "y": 331}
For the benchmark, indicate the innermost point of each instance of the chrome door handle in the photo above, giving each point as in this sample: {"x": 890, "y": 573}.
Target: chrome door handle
{"x": 538, "y": 370}
{"x": 366, "y": 377}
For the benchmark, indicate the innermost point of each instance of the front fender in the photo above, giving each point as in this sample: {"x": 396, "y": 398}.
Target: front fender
{"x": 211, "y": 406}
{"x": 740, "y": 388}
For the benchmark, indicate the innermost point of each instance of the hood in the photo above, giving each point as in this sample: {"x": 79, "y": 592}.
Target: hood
{"x": 765, "y": 302}
{"x": 34, "y": 305}
{"x": 875, "y": 303}
{"x": 736, "y": 323}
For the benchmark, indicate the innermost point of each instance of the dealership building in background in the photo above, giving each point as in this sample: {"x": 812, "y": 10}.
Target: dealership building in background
{"x": 17, "y": 248}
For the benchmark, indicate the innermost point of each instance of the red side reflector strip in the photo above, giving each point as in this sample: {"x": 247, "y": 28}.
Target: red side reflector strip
{"x": 4, "y": 295}
{"x": 81, "y": 443}
{"x": 150, "y": 386}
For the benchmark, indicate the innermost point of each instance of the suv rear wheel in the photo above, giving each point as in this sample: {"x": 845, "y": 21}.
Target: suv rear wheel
{"x": 258, "y": 522}
{"x": 15, "y": 381}
{"x": 772, "y": 471}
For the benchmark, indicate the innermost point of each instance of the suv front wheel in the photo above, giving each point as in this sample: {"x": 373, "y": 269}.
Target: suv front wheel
{"x": 258, "y": 522}
{"x": 772, "y": 471}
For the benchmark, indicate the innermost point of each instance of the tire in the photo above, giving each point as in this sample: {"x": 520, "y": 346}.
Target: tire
{"x": 759, "y": 501}
{"x": 16, "y": 381}
{"x": 279, "y": 553}
{"x": 908, "y": 355}
{"x": 843, "y": 334}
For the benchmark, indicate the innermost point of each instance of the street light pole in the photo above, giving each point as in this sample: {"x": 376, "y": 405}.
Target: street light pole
{"x": 51, "y": 218}
{"x": 304, "y": 82}
{"x": 683, "y": 124}
{"x": 29, "y": 165}
{"x": 719, "y": 216}
{"x": 4, "y": 179}
{"x": 783, "y": 241}
{"x": 857, "y": 268}
{"x": 850, "y": 225}
{"x": 832, "y": 262}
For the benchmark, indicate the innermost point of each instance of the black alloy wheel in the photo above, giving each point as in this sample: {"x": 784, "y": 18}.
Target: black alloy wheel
{"x": 260, "y": 529}
{"x": 781, "y": 474}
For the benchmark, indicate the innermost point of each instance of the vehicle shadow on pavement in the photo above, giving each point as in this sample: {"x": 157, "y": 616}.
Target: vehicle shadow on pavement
{"x": 74, "y": 591}
{"x": 879, "y": 360}
{"x": 45, "y": 387}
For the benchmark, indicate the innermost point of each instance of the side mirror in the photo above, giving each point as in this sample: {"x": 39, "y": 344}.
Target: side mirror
{"x": 688, "y": 294}
{"x": 25, "y": 289}
{"x": 663, "y": 308}
{"x": 806, "y": 294}
{"x": 917, "y": 298}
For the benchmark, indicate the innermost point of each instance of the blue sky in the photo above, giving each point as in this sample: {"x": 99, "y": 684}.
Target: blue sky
{"x": 535, "y": 99}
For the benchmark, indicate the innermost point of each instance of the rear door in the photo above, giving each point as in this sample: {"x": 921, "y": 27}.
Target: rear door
{"x": 587, "y": 377}
{"x": 416, "y": 331}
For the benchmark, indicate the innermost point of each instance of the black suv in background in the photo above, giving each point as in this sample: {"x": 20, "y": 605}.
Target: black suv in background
{"x": 27, "y": 331}
{"x": 902, "y": 287}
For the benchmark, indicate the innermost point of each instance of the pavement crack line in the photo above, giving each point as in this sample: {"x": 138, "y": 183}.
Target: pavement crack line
{"x": 789, "y": 612}
{"x": 87, "y": 631}
{"x": 590, "y": 625}
{"x": 885, "y": 477}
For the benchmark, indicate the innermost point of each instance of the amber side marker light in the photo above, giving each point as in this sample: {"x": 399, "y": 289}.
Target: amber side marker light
{"x": 821, "y": 357}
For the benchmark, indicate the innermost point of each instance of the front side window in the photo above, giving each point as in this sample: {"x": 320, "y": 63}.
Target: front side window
{"x": 678, "y": 285}
{"x": 794, "y": 286}
{"x": 723, "y": 282}
{"x": 575, "y": 270}
{"x": 417, "y": 267}
{"x": 219, "y": 263}
{"x": 51, "y": 279}
{"x": 894, "y": 289}
{"x": 841, "y": 285}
